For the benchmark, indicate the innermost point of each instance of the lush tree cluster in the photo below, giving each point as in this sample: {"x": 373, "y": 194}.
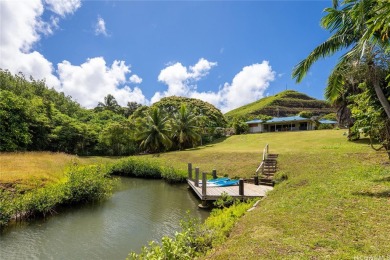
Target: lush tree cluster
{"x": 359, "y": 85}
{"x": 34, "y": 117}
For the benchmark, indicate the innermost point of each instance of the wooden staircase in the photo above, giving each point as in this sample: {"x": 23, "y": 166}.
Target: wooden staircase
{"x": 267, "y": 168}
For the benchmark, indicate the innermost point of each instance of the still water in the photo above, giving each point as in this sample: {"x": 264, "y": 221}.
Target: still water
{"x": 140, "y": 211}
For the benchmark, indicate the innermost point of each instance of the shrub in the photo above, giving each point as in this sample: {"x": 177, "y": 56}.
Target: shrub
{"x": 195, "y": 239}
{"x": 325, "y": 126}
{"x": 5, "y": 212}
{"x": 136, "y": 167}
{"x": 42, "y": 201}
{"x": 82, "y": 184}
{"x": 173, "y": 175}
{"x": 146, "y": 168}
{"x": 85, "y": 184}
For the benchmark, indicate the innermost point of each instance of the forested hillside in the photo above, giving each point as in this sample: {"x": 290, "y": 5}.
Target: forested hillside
{"x": 36, "y": 118}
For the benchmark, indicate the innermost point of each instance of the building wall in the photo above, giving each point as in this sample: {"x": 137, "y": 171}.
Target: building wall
{"x": 281, "y": 127}
{"x": 256, "y": 128}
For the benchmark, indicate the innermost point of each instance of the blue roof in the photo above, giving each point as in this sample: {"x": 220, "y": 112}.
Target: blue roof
{"x": 279, "y": 120}
{"x": 254, "y": 121}
{"x": 287, "y": 119}
{"x": 325, "y": 121}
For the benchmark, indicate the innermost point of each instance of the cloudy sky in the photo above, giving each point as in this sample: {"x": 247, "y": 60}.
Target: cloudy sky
{"x": 228, "y": 53}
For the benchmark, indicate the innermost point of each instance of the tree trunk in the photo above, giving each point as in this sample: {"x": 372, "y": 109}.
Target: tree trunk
{"x": 382, "y": 99}
{"x": 381, "y": 96}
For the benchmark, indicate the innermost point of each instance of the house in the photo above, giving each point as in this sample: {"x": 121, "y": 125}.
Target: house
{"x": 278, "y": 124}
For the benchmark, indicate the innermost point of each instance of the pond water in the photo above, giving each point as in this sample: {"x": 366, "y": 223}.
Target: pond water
{"x": 140, "y": 211}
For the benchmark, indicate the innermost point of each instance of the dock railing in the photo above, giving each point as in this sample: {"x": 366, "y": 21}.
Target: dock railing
{"x": 203, "y": 178}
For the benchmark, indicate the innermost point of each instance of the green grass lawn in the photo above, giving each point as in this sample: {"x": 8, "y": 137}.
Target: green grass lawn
{"x": 335, "y": 203}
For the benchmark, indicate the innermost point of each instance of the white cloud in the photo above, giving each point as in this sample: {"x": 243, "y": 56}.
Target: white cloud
{"x": 247, "y": 86}
{"x": 179, "y": 78}
{"x": 201, "y": 69}
{"x": 100, "y": 27}
{"x": 135, "y": 79}
{"x": 21, "y": 24}
{"x": 91, "y": 81}
{"x": 63, "y": 7}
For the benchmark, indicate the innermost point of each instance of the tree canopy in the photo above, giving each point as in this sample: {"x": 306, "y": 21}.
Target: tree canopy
{"x": 362, "y": 28}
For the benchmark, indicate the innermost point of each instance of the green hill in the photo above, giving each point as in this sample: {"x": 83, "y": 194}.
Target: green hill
{"x": 286, "y": 103}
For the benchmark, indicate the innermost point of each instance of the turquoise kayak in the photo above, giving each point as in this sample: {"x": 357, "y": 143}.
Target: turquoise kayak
{"x": 222, "y": 182}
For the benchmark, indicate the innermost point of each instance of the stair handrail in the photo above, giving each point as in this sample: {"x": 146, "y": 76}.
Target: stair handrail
{"x": 265, "y": 156}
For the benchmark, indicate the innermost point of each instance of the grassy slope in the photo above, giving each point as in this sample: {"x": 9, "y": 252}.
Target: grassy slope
{"x": 334, "y": 204}
{"x": 32, "y": 169}
{"x": 251, "y": 107}
{"x": 287, "y": 102}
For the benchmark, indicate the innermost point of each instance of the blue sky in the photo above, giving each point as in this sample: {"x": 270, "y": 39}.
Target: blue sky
{"x": 226, "y": 52}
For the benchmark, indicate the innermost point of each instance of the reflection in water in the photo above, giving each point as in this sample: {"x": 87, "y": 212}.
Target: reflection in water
{"x": 140, "y": 211}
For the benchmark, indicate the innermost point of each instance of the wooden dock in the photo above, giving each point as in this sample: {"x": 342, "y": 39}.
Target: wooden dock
{"x": 214, "y": 193}
{"x": 241, "y": 191}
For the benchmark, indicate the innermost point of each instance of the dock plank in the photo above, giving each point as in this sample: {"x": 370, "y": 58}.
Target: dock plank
{"x": 214, "y": 193}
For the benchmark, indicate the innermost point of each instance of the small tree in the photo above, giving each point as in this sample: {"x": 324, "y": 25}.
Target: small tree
{"x": 154, "y": 131}
{"x": 185, "y": 127}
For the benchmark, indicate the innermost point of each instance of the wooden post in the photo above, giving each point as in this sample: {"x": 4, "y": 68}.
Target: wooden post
{"x": 197, "y": 177}
{"x": 256, "y": 179}
{"x": 241, "y": 187}
{"x": 190, "y": 171}
{"x": 204, "y": 183}
{"x": 214, "y": 173}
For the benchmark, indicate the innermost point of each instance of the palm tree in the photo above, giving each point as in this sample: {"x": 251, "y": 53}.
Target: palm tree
{"x": 185, "y": 127}
{"x": 109, "y": 103}
{"x": 360, "y": 25}
{"x": 154, "y": 131}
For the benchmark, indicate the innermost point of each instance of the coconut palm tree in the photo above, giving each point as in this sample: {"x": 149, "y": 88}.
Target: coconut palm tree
{"x": 154, "y": 131}
{"x": 109, "y": 103}
{"x": 186, "y": 132}
{"x": 361, "y": 26}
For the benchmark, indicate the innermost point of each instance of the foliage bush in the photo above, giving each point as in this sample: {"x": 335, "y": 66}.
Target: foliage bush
{"x": 325, "y": 126}
{"x": 136, "y": 167}
{"x": 305, "y": 114}
{"x": 146, "y": 168}
{"x": 5, "y": 211}
{"x": 195, "y": 239}
{"x": 173, "y": 175}
{"x": 86, "y": 184}
{"x": 81, "y": 185}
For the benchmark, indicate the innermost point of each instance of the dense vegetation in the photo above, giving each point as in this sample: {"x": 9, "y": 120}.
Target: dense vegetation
{"x": 35, "y": 118}
{"x": 286, "y": 103}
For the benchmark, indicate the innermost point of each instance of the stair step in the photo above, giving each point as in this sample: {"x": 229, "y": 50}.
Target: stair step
{"x": 267, "y": 183}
